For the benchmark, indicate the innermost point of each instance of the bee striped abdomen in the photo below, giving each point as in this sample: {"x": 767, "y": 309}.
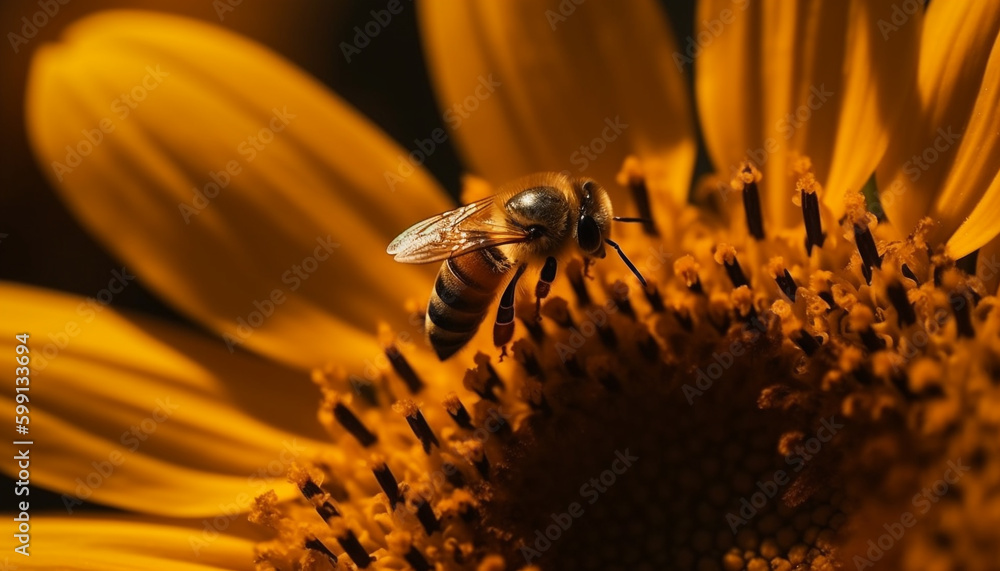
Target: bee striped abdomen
{"x": 463, "y": 293}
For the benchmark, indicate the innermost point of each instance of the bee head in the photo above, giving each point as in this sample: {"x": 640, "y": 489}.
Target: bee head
{"x": 594, "y": 220}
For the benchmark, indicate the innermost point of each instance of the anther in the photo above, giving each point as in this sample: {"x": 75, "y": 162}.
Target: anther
{"x": 425, "y": 514}
{"x": 861, "y": 222}
{"x": 417, "y": 423}
{"x": 683, "y": 317}
{"x": 654, "y": 298}
{"x": 535, "y": 329}
{"x": 457, "y": 412}
{"x": 316, "y": 545}
{"x": 417, "y": 560}
{"x": 354, "y": 549}
{"x": 608, "y": 337}
{"x": 904, "y": 309}
{"x": 557, "y": 310}
{"x": 861, "y": 319}
{"x": 960, "y": 305}
{"x": 353, "y": 425}
{"x": 619, "y": 295}
{"x": 806, "y": 342}
{"x": 747, "y": 181}
{"x": 575, "y": 271}
{"x": 387, "y": 482}
{"x": 810, "y": 212}
{"x": 403, "y": 369}
{"x": 907, "y": 272}
{"x": 687, "y": 268}
{"x": 632, "y": 175}
{"x": 726, "y": 255}
{"x": 776, "y": 266}
{"x": 524, "y": 354}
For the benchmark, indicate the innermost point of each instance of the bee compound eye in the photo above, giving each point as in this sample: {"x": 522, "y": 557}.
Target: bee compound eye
{"x": 588, "y": 234}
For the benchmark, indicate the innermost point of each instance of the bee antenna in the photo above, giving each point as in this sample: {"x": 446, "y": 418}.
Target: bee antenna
{"x": 632, "y": 219}
{"x": 625, "y": 259}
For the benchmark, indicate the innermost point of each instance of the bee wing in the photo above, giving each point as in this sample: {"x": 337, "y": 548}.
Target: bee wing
{"x": 468, "y": 228}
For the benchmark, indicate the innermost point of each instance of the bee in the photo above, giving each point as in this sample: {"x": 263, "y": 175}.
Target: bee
{"x": 535, "y": 220}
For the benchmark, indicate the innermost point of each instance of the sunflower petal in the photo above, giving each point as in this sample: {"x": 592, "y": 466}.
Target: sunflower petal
{"x": 126, "y": 543}
{"x": 229, "y": 181}
{"x": 788, "y": 80}
{"x": 943, "y": 158}
{"x": 531, "y": 86}
{"x": 140, "y": 415}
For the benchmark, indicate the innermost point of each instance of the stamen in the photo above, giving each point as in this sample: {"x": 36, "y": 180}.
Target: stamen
{"x": 726, "y": 255}
{"x": 619, "y": 295}
{"x": 535, "y": 330}
{"x": 905, "y": 315}
{"x": 907, "y": 272}
{"x": 960, "y": 305}
{"x": 316, "y": 545}
{"x": 557, "y": 310}
{"x": 354, "y": 549}
{"x": 319, "y": 499}
{"x": 747, "y": 181}
{"x": 608, "y": 337}
{"x": 793, "y": 329}
{"x": 654, "y": 298}
{"x": 861, "y": 221}
{"x": 806, "y": 342}
{"x": 861, "y": 319}
{"x": 632, "y": 175}
{"x": 482, "y": 361}
{"x": 353, "y": 425}
{"x": 387, "y": 482}
{"x": 575, "y": 272}
{"x": 417, "y": 423}
{"x": 403, "y": 369}
{"x": 810, "y": 212}
{"x": 683, "y": 317}
{"x": 687, "y": 268}
{"x": 781, "y": 276}
{"x": 458, "y": 412}
{"x": 425, "y": 514}
{"x": 417, "y": 560}
{"x": 524, "y": 354}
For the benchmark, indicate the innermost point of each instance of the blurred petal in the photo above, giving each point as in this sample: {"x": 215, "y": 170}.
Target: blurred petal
{"x": 944, "y": 157}
{"x": 305, "y": 209}
{"x": 821, "y": 80}
{"x": 140, "y": 415}
{"x": 603, "y": 77}
{"x": 117, "y": 543}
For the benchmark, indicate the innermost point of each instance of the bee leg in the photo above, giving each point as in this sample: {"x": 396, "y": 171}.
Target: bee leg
{"x": 587, "y": 261}
{"x": 503, "y": 329}
{"x": 544, "y": 285}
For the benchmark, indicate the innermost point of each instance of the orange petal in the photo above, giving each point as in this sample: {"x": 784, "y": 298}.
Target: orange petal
{"x": 230, "y": 182}
{"x": 529, "y": 86}
{"x": 119, "y": 543}
{"x": 137, "y": 414}
{"x": 823, "y": 80}
{"x": 943, "y": 159}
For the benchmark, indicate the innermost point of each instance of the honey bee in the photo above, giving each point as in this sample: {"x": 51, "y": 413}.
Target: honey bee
{"x": 535, "y": 220}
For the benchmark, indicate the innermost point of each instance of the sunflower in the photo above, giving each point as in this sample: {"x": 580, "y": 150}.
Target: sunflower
{"x": 807, "y": 380}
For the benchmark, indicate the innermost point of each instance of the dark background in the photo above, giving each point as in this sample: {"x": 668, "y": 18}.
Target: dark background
{"x": 388, "y": 82}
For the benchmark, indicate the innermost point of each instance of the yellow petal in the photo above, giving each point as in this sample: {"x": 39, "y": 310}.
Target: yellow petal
{"x": 529, "y": 86}
{"x": 229, "y": 181}
{"x": 943, "y": 157}
{"x": 113, "y": 543}
{"x": 133, "y": 413}
{"x": 781, "y": 80}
